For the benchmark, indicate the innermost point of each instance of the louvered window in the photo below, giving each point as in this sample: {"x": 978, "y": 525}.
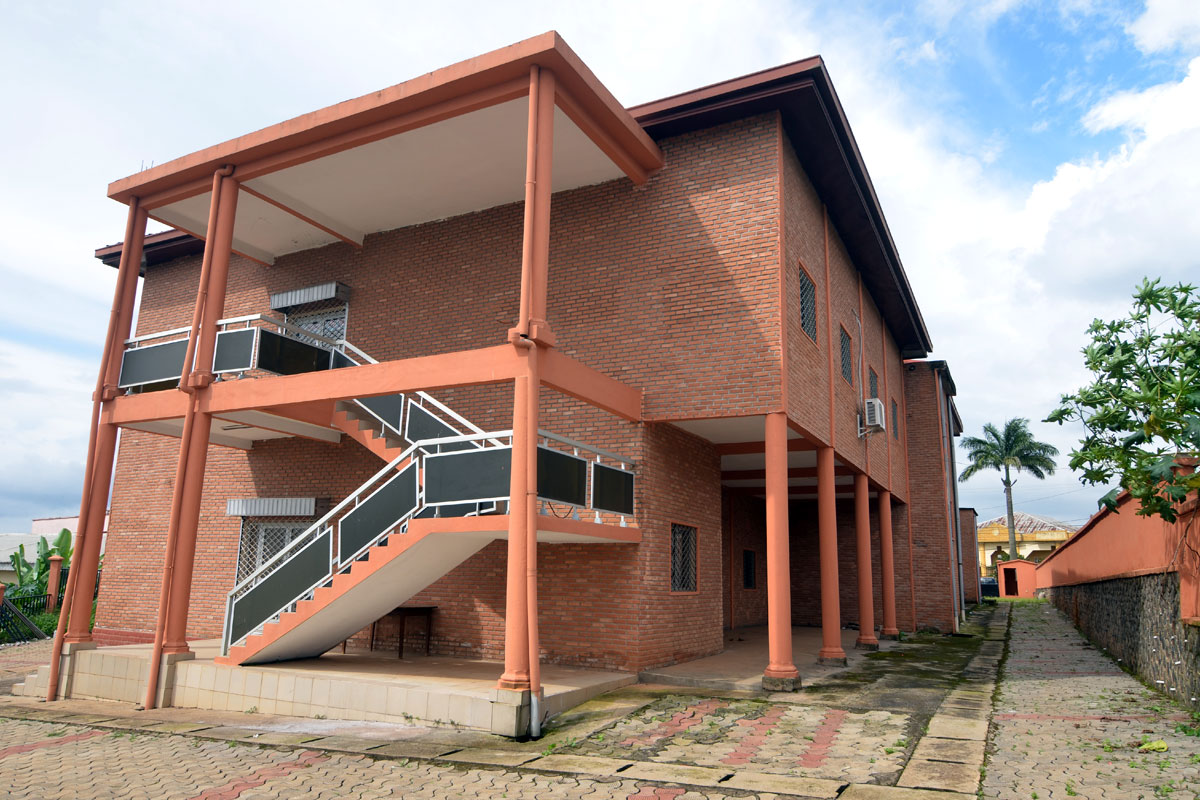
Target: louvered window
{"x": 808, "y": 305}
{"x": 847, "y": 358}
{"x": 873, "y": 382}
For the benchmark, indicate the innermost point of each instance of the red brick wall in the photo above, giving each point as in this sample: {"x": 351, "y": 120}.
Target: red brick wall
{"x": 970, "y": 554}
{"x": 745, "y": 529}
{"x": 804, "y": 245}
{"x": 928, "y": 505}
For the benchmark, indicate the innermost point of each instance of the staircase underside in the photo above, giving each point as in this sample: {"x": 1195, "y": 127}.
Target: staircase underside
{"x": 394, "y": 572}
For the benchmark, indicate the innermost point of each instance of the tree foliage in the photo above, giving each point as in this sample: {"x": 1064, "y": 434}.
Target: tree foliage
{"x": 32, "y": 578}
{"x": 1012, "y": 448}
{"x": 1141, "y": 412}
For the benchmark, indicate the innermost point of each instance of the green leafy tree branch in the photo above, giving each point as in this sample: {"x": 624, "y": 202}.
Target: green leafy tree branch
{"x": 1141, "y": 412}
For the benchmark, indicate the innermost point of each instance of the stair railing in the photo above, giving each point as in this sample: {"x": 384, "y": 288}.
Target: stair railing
{"x": 396, "y": 428}
{"x": 316, "y": 554}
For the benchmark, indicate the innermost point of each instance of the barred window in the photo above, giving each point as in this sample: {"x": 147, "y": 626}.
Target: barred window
{"x": 873, "y": 382}
{"x": 326, "y": 318}
{"x": 847, "y": 358}
{"x": 683, "y": 558}
{"x": 749, "y": 569}
{"x": 895, "y": 421}
{"x": 808, "y": 305}
{"x": 263, "y": 538}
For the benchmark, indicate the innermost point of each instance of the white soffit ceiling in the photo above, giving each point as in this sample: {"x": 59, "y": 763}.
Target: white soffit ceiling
{"x": 729, "y": 430}
{"x": 467, "y": 163}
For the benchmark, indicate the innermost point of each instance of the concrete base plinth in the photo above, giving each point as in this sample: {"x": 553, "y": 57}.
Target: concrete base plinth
{"x": 866, "y": 645}
{"x": 831, "y": 661}
{"x": 890, "y": 637}
{"x": 770, "y": 684}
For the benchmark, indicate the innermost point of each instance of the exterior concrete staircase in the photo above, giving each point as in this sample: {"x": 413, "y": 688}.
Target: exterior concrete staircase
{"x": 392, "y": 571}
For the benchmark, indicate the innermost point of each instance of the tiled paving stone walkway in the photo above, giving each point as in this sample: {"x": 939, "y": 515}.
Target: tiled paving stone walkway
{"x": 747, "y": 735}
{"x": 1069, "y": 723}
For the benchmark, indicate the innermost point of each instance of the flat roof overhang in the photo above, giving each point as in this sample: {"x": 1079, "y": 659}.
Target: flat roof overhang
{"x": 814, "y": 121}
{"x": 447, "y": 143}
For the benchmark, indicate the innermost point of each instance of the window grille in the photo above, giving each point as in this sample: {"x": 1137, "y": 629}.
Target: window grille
{"x": 326, "y": 318}
{"x": 895, "y": 422}
{"x": 873, "y": 382}
{"x": 263, "y": 538}
{"x": 749, "y": 569}
{"x": 683, "y": 558}
{"x": 847, "y": 358}
{"x": 808, "y": 305}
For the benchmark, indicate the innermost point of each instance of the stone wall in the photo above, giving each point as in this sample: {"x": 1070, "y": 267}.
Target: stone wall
{"x": 1137, "y": 621}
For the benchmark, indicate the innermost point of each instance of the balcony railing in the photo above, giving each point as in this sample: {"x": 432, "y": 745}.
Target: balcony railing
{"x": 252, "y": 342}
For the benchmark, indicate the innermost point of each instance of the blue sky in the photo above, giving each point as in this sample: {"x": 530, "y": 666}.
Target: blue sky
{"x": 1034, "y": 160}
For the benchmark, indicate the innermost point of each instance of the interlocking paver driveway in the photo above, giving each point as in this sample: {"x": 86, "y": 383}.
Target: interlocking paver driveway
{"x": 1069, "y": 723}
{"x": 45, "y": 761}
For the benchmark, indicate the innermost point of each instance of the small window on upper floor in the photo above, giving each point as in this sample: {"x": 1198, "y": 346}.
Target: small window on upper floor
{"x": 683, "y": 558}
{"x": 873, "y": 382}
{"x": 847, "y": 358}
{"x": 325, "y": 319}
{"x": 895, "y": 421}
{"x": 808, "y": 305}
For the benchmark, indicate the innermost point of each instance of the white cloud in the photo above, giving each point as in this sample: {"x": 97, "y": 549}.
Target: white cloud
{"x": 1166, "y": 25}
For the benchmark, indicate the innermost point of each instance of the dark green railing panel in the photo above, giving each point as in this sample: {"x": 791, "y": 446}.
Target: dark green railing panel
{"x": 235, "y": 351}
{"x": 562, "y": 478}
{"x": 468, "y": 476}
{"x": 306, "y": 568}
{"x": 612, "y": 489}
{"x": 424, "y": 425}
{"x": 377, "y": 513}
{"x": 152, "y": 364}
{"x": 388, "y": 408}
{"x": 286, "y": 356}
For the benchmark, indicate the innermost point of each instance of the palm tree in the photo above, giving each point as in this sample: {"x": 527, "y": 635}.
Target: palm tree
{"x": 1012, "y": 448}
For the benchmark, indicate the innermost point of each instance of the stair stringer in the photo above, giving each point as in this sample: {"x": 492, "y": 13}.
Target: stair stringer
{"x": 391, "y": 574}
{"x": 369, "y": 438}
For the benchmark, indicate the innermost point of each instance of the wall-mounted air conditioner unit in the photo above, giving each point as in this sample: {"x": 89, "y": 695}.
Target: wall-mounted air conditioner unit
{"x": 873, "y": 415}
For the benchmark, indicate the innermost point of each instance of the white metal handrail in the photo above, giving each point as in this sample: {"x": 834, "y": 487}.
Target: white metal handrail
{"x": 414, "y": 453}
{"x": 246, "y": 319}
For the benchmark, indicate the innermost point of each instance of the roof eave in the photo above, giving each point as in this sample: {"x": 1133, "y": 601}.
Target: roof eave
{"x": 789, "y": 88}
{"x": 192, "y": 172}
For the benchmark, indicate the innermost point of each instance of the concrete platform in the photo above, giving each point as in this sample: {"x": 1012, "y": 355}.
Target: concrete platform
{"x": 740, "y": 666}
{"x": 376, "y": 687}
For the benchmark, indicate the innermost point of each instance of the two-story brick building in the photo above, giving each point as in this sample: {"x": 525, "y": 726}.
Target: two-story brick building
{"x": 594, "y": 382}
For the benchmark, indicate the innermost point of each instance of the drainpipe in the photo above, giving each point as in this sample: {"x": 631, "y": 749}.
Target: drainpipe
{"x": 184, "y": 444}
{"x": 531, "y": 574}
{"x": 127, "y": 271}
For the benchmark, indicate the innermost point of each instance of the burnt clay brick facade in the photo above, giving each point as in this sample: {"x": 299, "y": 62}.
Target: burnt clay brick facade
{"x": 688, "y": 288}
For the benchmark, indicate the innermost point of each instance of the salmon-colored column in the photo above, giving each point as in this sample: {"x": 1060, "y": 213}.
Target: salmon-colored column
{"x": 522, "y": 514}
{"x": 81, "y": 582}
{"x": 887, "y": 566}
{"x": 53, "y": 581}
{"x": 781, "y": 673}
{"x": 831, "y": 613}
{"x": 862, "y": 534}
{"x": 179, "y": 598}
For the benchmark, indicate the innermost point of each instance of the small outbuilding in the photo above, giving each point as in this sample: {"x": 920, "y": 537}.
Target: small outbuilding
{"x": 1017, "y": 578}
